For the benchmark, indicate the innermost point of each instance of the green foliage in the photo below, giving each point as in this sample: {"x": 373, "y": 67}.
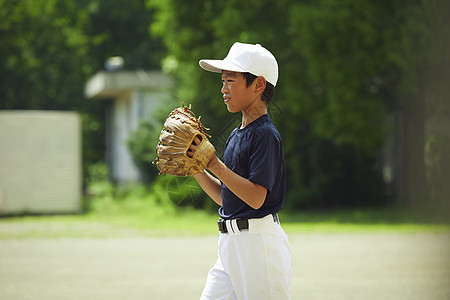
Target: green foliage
{"x": 98, "y": 184}
{"x": 342, "y": 45}
{"x": 329, "y": 118}
{"x": 122, "y": 28}
{"x": 49, "y": 50}
{"x": 343, "y": 65}
{"x": 181, "y": 191}
{"x": 103, "y": 197}
{"x": 166, "y": 206}
{"x": 142, "y": 144}
{"x": 43, "y": 50}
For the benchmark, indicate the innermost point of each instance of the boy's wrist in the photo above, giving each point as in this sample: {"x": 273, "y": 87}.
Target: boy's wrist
{"x": 212, "y": 162}
{"x": 214, "y": 165}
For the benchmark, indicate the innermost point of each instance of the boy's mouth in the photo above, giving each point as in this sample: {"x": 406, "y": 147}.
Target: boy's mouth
{"x": 226, "y": 99}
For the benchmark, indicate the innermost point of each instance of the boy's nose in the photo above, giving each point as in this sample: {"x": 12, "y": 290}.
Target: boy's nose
{"x": 224, "y": 88}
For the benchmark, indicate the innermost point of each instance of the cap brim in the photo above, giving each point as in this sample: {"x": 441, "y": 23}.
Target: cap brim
{"x": 217, "y": 66}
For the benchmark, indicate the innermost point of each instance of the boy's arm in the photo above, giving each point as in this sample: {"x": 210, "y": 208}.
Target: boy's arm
{"x": 210, "y": 185}
{"x": 251, "y": 193}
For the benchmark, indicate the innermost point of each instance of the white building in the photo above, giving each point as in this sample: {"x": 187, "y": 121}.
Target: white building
{"x": 40, "y": 162}
{"x": 134, "y": 95}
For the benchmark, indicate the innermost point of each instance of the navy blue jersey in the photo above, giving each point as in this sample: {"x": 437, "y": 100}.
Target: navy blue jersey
{"x": 255, "y": 153}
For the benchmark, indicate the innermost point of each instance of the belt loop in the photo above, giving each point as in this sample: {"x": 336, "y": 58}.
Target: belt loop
{"x": 235, "y": 227}
{"x": 229, "y": 227}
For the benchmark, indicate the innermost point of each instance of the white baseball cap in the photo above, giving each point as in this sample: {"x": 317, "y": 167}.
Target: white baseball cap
{"x": 250, "y": 58}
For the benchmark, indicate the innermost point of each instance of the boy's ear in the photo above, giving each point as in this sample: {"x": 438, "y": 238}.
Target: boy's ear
{"x": 260, "y": 84}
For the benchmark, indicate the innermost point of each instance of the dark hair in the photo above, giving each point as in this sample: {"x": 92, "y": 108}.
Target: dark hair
{"x": 268, "y": 91}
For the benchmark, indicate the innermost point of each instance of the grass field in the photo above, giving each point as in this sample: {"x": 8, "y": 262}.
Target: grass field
{"x": 137, "y": 216}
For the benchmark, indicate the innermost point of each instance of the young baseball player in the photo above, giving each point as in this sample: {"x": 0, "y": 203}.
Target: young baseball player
{"x": 254, "y": 260}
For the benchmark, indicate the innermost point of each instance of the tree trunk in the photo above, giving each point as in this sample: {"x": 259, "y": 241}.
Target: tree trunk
{"x": 413, "y": 183}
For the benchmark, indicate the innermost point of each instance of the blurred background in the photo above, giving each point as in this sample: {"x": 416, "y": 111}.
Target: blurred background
{"x": 362, "y": 102}
{"x": 362, "y": 105}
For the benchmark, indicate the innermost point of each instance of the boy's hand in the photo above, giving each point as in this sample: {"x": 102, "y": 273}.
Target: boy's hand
{"x": 194, "y": 145}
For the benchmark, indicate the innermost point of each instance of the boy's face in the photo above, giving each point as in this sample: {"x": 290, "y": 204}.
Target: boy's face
{"x": 237, "y": 96}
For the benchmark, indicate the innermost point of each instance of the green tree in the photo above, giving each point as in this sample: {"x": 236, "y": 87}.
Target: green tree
{"x": 49, "y": 49}
{"x": 44, "y": 49}
{"x": 46, "y": 60}
{"x": 343, "y": 65}
{"x": 121, "y": 28}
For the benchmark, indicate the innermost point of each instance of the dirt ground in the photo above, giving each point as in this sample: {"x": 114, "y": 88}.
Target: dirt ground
{"x": 325, "y": 267}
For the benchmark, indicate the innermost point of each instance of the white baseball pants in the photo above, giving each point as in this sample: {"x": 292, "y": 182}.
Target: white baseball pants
{"x": 253, "y": 264}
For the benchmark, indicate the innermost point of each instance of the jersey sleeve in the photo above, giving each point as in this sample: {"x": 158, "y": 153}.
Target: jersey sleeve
{"x": 265, "y": 159}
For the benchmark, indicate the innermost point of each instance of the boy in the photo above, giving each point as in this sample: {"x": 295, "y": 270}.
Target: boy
{"x": 254, "y": 258}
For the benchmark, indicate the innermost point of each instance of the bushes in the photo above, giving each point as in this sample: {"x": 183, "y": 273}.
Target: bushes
{"x": 141, "y": 145}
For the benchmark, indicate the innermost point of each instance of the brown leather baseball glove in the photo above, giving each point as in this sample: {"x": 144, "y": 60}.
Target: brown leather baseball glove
{"x": 180, "y": 130}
